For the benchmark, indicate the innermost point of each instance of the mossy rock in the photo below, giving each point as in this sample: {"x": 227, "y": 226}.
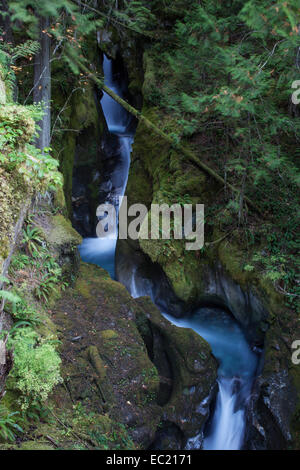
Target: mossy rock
{"x": 34, "y": 445}
{"x": 59, "y": 201}
{"x": 15, "y": 199}
{"x": 108, "y": 368}
{"x": 82, "y": 114}
{"x": 149, "y": 86}
{"x": 192, "y": 370}
{"x": 97, "y": 362}
{"x": 62, "y": 242}
{"x": 109, "y": 334}
{"x": 159, "y": 174}
{"x": 62, "y": 233}
{"x": 66, "y": 167}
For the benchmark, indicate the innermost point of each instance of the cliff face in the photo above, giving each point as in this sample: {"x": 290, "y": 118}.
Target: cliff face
{"x": 108, "y": 368}
{"x": 15, "y": 197}
{"x": 217, "y": 274}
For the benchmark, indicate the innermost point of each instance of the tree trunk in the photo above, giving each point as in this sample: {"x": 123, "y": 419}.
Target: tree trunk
{"x": 42, "y": 84}
{"x": 6, "y": 362}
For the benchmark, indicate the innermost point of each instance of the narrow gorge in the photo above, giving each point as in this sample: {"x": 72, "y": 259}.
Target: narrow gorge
{"x": 137, "y": 343}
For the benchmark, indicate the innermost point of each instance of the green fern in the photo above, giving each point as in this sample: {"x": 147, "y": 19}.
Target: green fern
{"x": 10, "y": 297}
{"x": 25, "y": 49}
{"x": 8, "y": 425}
{"x": 32, "y": 238}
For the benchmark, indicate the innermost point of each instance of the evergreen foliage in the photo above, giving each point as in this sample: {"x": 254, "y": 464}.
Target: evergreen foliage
{"x": 227, "y": 79}
{"x": 9, "y": 428}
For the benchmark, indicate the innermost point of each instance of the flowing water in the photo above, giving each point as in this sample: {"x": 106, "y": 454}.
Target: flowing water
{"x": 101, "y": 251}
{"x": 237, "y": 367}
{"x": 237, "y": 363}
{"x": 236, "y": 372}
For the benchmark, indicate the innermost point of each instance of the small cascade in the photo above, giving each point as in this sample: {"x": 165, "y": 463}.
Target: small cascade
{"x": 117, "y": 118}
{"x": 101, "y": 251}
{"x": 237, "y": 368}
{"x": 228, "y": 424}
{"x": 140, "y": 286}
{"x": 133, "y": 288}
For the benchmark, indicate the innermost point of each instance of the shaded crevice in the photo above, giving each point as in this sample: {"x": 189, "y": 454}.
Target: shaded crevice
{"x": 86, "y": 179}
{"x": 97, "y": 155}
{"x": 168, "y": 437}
{"x": 271, "y": 437}
{"x": 158, "y": 355}
{"x": 163, "y": 364}
{"x": 87, "y": 170}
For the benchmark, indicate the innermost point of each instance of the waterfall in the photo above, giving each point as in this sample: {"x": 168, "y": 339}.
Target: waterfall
{"x": 228, "y": 424}
{"x": 116, "y": 116}
{"x": 237, "y": 367}
{"x": 101, "y": 251}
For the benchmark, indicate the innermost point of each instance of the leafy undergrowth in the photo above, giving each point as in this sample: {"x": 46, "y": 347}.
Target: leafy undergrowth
{"x": 17, "y": 154}
{"x": 31, "y": 418}
{"x": 34, "y": 278}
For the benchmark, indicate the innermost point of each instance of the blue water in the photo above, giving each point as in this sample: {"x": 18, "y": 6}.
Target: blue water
{"x": 99, "y": 251}
{"x": 226, "y": 338}
{"x": 236, "y": 371}
{"x": 237, "y": 368}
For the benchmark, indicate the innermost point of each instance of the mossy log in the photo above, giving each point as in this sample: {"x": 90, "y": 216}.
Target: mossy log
{"x": 177, "y": 146}
{"x": 97, "y": 362}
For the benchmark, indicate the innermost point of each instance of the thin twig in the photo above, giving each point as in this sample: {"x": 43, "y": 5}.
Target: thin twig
{"x": 270, "y": 55}
{"x": 62, "y": 110}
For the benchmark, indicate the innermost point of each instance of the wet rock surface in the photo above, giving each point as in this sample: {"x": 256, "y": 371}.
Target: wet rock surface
{"x": 216, "y": 276}
{"x": 186, "y": 368}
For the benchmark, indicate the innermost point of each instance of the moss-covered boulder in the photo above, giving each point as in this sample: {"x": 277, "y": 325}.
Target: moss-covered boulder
{"x": 186, "y": 368}
{"x": 61, "y": 233}
{"x": 106, "y": 367}
{"x": 62, "y": 240}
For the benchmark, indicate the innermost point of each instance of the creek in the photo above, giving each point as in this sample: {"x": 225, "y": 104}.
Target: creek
{"x": 225, "y": 429}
